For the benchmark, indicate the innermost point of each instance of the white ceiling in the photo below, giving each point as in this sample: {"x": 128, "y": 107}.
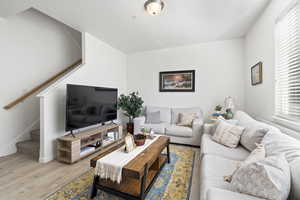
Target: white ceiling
{"x": 125, "y": 25}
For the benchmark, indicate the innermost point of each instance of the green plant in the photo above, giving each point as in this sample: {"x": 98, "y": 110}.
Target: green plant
{"x": 218, "y": 108}
{"x": 131, "y": 105}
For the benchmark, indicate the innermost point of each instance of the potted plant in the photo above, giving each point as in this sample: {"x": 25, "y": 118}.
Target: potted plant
{"x": 131, "y": 106}
{"x": 217, "y": 112}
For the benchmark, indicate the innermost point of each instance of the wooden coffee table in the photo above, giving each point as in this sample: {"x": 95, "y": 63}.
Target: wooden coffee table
{"x": 138, "y": 175}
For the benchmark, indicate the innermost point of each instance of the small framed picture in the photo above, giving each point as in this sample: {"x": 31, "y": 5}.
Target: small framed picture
{"x": 257, "y": 74}
{"x": 177, "y": 81}
{"x": 129, "y": 143}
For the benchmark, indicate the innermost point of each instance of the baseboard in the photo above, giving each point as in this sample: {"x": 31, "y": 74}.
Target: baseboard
{"x": 45, "y": 159}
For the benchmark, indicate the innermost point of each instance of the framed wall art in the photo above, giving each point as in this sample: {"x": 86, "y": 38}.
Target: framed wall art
{"x": 177, "y": 81}
{"x": 257, "y": 74}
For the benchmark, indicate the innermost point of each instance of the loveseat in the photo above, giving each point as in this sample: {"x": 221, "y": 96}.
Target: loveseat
{"x": 167, "y": 124}
{"x": 218, "y": 161}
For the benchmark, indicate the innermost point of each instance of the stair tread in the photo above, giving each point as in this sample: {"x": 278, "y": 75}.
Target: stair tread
{"x": 29, "y": 144}
{"x": 35, "y": 132}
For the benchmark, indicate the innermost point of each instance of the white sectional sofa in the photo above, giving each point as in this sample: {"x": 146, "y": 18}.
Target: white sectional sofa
{"x": 218, "y": 161}
{"x": 167, "y": 125}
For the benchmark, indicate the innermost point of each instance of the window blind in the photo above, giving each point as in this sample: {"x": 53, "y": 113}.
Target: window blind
{"x": 287, "y": 73}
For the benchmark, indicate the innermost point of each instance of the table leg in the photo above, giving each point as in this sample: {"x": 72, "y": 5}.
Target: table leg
{"x": 94, "y": 188}
{"x": 168, "y": 152}
{"x": 143, "y": 183}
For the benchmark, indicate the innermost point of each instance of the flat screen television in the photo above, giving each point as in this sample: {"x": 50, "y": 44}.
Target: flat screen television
{"x": 88, "y": 106}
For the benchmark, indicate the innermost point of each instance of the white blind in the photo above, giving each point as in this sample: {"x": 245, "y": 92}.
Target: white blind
{"x": 287, "y": 90}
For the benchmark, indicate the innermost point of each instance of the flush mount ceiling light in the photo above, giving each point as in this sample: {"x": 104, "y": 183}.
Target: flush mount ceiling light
{"x": 154, "y": 7}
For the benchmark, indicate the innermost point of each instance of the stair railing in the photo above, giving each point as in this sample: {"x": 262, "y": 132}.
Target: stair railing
{"x": 37, "y": 88}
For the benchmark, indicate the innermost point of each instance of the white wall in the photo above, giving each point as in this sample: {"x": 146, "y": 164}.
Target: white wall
{"x": 104, "y": 66}
{"x": 259, "y": 46}
{"x": 33, "y": 48}
{"x": 219, "y": 73}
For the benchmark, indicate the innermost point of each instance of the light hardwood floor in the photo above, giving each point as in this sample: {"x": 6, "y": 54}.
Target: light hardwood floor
{"x": 22, "y": 178}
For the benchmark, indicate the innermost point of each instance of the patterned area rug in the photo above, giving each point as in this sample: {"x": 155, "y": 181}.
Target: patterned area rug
{"x": 173, "y": 182}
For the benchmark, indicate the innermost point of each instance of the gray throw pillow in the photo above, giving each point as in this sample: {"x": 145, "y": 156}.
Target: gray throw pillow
{"x": 252, "y": 136}
{"x": 269, "y": 178}
{"x": 153, "y": 117}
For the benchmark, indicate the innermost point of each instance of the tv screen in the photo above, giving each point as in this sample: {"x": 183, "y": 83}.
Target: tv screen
{"x": 88, "y": 106}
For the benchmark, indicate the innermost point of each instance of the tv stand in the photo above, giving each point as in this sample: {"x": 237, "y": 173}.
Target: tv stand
{"x": 71, "y": 148}
{"x": 72, "y": 134}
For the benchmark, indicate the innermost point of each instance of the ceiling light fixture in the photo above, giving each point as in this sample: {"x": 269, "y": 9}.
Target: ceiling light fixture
{"x": 154, "y": 7}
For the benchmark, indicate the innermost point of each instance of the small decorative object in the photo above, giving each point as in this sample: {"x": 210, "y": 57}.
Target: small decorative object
{"x": 229, "y": 106}
{"x": 129, "y": 143}
{"x": 154, "y": 7}
{"x": 140, "y": 139}
{"x": 217, "y": 112}
{"x": 256, "y": 74}
{"x": 131, "y": 106}
{"x": 177, "y": 81}
{"x": 229, "y": 114}
{"x": 152, "y": 133}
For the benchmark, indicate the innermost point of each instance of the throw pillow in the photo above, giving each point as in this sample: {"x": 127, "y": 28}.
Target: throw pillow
{"x": 153, "y": 117}
{"x": 268, "y": 178}
{"x": 252, "y": 136}
{"x": 227, "y": 134}
{"x": 220, "y": 118}
{"x": 186, "y": 119}
{"x": 256, "y": 155}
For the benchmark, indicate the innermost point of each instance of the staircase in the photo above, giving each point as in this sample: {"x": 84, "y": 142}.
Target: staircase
{"x": 31, "y": 147}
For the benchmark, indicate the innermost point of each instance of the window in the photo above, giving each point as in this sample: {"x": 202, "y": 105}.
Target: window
{"x": 287, "y": 35}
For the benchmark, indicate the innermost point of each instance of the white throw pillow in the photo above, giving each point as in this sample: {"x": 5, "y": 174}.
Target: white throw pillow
{"x": 228, "y": 134}
{"x": 268, "y": 178}
{"x": 186, "y": 119}
{"x": 219, "y": 119}
{"x": 256, "y": 155}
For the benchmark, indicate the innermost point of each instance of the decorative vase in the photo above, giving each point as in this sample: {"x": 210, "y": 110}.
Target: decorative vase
{"x": 140, "y": 139}
{"x": 229, "y": 114}
{"x": 130, "y": 127}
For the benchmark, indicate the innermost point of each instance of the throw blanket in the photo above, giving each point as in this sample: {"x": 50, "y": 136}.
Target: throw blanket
{"x": 111, "y": 165}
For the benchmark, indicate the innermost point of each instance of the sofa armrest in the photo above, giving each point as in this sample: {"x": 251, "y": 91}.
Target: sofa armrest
{"x": 197, "y": 125}
{"x": 209, "y": 128}
{"x": 138, "y": 123}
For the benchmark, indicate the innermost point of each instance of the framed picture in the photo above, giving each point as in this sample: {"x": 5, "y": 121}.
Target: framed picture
{"x": 256, "y": 74}
{"x": 129, "y": 143}
{"x": 177, "y": 81}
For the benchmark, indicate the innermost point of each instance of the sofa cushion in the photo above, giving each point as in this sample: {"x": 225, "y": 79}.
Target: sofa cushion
{"x": 153, "y": 117}
{"x": 247, "y": 121}
{"x": 277, "y": 143}
{"x": 179, "y": 131}
{"x": 176, "y": 111}
{"x": 157, "y": 128}
{"x": 220, "y": 194}
{"x": 165, "y": 113}
{"x": 213, "y": 169}
{"x": 208, "y": 146}
{"x": 295, "y": 174}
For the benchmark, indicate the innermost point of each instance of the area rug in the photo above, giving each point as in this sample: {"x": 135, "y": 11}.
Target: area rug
{"x": 173, "y": 182}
